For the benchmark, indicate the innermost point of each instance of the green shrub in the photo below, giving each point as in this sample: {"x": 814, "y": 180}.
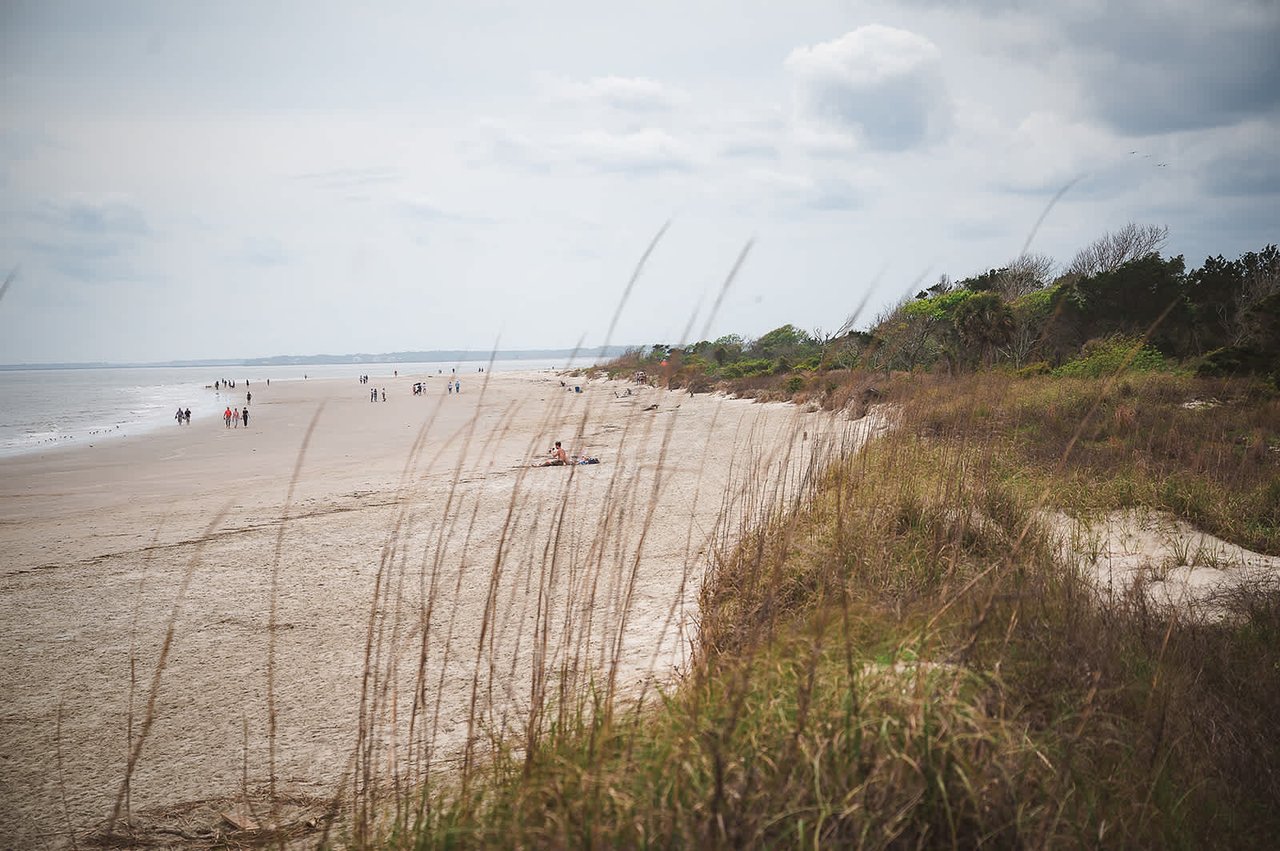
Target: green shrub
{"x": 744, "y": 368}
{"x": 1112, "y": 355}
{"x": 1033, "y": 369}
{"x": 1237, "y": 360}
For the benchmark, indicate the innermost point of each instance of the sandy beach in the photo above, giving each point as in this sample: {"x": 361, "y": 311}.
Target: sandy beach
{"x": 358, "y": 610}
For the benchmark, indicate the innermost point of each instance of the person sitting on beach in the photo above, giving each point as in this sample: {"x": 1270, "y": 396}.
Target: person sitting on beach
{"x": 559, "y": 457}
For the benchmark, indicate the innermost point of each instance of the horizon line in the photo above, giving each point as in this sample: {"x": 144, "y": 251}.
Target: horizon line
{"x": 404, "y": 356}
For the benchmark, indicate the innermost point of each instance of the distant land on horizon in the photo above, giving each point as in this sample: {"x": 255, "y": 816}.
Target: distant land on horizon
{"x": 385, "y": 357}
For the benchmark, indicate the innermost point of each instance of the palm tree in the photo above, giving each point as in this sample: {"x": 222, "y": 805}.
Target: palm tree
{"x": 983, "y": 322}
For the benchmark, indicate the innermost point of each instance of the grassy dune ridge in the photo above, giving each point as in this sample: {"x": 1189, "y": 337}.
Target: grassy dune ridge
{"x": 900, "y": 658}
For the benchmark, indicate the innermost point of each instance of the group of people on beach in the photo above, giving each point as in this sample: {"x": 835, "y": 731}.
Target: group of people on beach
{"x": 233, "y": 417}
{"x": 226, "y": 383}
{"x": 453, "y": 385}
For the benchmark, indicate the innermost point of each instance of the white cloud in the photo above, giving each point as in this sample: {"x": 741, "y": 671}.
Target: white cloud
{"x": 106, "y": 217}
{"x": 1047, "y": 150}
{"x": 882, "y": 83}
{"x": 820, "y": 142}
{"x": 649, "y": 149}
{"x": 629, "y": 94}
{"x": 791, "y": 192}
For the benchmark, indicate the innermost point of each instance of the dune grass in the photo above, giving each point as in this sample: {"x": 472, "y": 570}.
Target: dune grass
{"x": 899, "y": 661}
{"x": 889, "y": 652}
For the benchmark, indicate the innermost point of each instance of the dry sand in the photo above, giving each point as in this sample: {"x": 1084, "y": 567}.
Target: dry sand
{"x": 1174, "y": 565}
{"x": 413, "y": 535}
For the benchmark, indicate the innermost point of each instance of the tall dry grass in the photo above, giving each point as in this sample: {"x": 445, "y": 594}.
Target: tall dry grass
{"x": 888, "y": 652}
{"x": 898, "y": 659}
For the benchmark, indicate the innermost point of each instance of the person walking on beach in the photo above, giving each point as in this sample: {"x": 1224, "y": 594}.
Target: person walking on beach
{"x": 245, "y": 417}
{"x": 248, "y": 398}
{"x": 384, "y": 394}
{"x": 235, "y": 417}
{"x": 457, "y": 387}
{"x": 226, "y": 416}
{"x": 178, "y": 416}
{"x": 188, "y": 416}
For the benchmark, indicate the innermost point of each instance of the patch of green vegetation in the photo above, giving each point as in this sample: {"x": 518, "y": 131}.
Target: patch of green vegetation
{"x": 1101, "y": 358}
{"x": 939, "y": 306}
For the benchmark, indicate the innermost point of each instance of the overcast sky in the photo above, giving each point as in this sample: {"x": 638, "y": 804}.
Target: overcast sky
{"x": 192, "y": 180}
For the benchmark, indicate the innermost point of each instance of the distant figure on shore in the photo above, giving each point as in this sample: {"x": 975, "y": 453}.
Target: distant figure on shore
{"x": 235, "y": 417}
{"x": 245, "y": 417}
{"x": 384, "y": 394}
{"x": 248, "y": 397}
{"x": 448, "y": 387}
{"x": 226, "y": 416}
{"x": 559, "y": 457}
{"x": 457, "y": 387}
{"x": 268, "y": 382}
{"x": 188, "y": 416}
{"x": 178, "y": 416}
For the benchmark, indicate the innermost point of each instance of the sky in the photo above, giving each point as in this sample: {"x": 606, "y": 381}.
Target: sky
{"x": 210, "y": 180}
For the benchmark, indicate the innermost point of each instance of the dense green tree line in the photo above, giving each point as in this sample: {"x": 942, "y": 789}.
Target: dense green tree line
{"x": 1119, "y": 293}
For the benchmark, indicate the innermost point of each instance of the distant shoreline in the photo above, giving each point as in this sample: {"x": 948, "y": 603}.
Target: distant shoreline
{"x": 307, "y": 360}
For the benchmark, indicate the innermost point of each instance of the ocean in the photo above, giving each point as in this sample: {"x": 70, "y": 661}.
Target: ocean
{"x": 41, "y": 409}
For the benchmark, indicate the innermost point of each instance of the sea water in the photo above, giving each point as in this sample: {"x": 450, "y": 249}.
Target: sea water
{"x": 41, "y": 409}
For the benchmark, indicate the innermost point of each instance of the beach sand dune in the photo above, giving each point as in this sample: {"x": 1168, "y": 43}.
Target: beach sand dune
{"x": 360, "y": 611}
